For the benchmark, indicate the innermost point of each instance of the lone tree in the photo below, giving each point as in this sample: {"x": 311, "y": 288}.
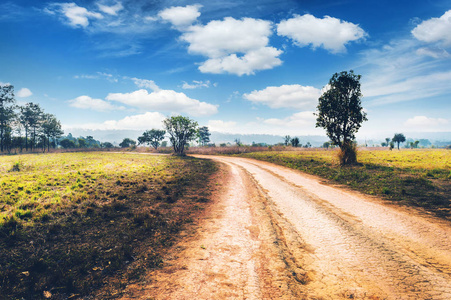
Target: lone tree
{"x": 340, "y": 112}
{"x": 398, "y": 138}
{"x": 181, "y": 130}
{"x": 203, "y": 135}
{"x": 152, "y": 137}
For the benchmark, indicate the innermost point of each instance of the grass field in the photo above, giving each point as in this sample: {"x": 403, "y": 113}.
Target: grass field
{"x": 71, "y": 223}
{"x": 410, "y": 177}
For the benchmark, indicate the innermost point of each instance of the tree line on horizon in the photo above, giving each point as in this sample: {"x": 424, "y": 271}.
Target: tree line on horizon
{"x": 25, "y": 127}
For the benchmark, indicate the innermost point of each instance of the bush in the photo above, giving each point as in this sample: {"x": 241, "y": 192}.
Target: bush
{"x": 16, "y": 167}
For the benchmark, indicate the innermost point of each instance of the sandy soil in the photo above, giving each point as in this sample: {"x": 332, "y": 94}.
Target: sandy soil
{"x": 275, "y": 233}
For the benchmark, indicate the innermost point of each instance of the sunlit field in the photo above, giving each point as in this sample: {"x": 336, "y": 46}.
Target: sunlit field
{"x": 411, "y": 177}
{"x": 70, "y": 220}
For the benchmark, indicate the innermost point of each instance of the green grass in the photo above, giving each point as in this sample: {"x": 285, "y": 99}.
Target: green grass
{"x": 69, "y": 221}
{"x": 419, "y": 178}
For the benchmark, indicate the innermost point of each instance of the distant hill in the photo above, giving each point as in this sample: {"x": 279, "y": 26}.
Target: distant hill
{"x": 116, "y": 136}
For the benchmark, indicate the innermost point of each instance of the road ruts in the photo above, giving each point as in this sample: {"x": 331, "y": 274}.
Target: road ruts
{"x": 354, "y": 247}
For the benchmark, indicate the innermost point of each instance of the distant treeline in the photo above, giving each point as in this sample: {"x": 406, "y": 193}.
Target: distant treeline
{"x": 25, "y": 127}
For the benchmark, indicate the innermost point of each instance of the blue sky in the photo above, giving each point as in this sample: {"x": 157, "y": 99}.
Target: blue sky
{"x": 235, "y": 66}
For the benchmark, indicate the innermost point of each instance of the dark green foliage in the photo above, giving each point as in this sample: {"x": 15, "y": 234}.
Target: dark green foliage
{"x": 294, "y": 142}
{"x": 399, "y": 138}
{"x": 127, "y": 143}
{"x": 340, "y": 111}
{"x": 181, "y": 130}
{"x": 152, "y": 137}
{"x": 203, "y": 135}
{"x": 67, "y": 144}
{"x": 7, "y": 114}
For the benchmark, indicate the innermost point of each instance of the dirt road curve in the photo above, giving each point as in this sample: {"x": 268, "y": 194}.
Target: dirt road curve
{"x": 278, "y": 234}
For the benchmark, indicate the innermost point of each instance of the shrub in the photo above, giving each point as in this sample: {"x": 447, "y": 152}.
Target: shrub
{"x": 16, "y": 167}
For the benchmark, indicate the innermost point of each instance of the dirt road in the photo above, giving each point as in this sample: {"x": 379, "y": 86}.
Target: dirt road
{"x": 276, "y": 233}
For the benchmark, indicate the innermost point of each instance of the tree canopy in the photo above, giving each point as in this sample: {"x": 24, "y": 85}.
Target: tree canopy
{"x": 152, "y": 137}
{"x": 7, "y": 102}
{"x": 127, "y": 142}
{"x": 294, "y": 142}
{"x": 399, "y": 138}
{"x": 40, "y": 129}
{"x": 203, "y": 135}
{"x": 340, "y": 112}
{"x": 181, "y": 130}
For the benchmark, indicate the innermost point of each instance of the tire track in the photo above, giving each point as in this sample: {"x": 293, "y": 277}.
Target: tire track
{"x": 357, "y": 253}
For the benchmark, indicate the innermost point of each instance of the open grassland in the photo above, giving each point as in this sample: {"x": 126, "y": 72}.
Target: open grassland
{"x": 71, "y": 223}
{"x": 410, "y": 177}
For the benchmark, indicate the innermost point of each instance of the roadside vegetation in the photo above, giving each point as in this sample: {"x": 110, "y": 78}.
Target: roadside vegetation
{"x": 420, "y": 178}
{"x": 74, "y": 223}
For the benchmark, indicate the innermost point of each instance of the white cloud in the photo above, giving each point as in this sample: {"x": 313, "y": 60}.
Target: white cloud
{"x": 111, "y": 10}
{"x": 86, "y": 102}
{"x": 260, "y": 59}
{"x": 301, "y": 123}
{"x": 145, "y": 83}
{"x": 233, "y": 46}
{"x": 136, "y": 122}
{"x": 76, "y": 15}
{"x": 433, "y": 52}
{"x": 425, "y": 123}
{"x": 304, "y": 119}
{"x": 99, "y": 75}
{"x": 223, "y": 126}
{"x": 396, "y": 73}
{"x": 181, "y": 16}
{"x": 221, "y": 38}
{"x": 23, "y": 93}
{"x": 165, "y": 100}
{"x": 196, "y": 85}
{"x": 289, "y": 96}
{"x": 435, "y": 30}
{"x": 330, "y": 33}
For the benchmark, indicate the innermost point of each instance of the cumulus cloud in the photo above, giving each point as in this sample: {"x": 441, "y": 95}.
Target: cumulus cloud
{"x": 220, "y": 38}
{"x": 260, "y": 59}
{"x": 76, "y": 15}
{"x": 424, "y": 122}
{"x": 329, "y": 33}
{"x": 111, "y": 10}
{"x": 165, "y": 100}
{"x": 435, "y": 30}
{"x": 135, "y": 122}
{"x": 233, "y": 46}
{"x": 86, "y": 102}
{"x": 286, "y": 96}
{"x": 181, "y": 16}
{"x": 23, "y": 93}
